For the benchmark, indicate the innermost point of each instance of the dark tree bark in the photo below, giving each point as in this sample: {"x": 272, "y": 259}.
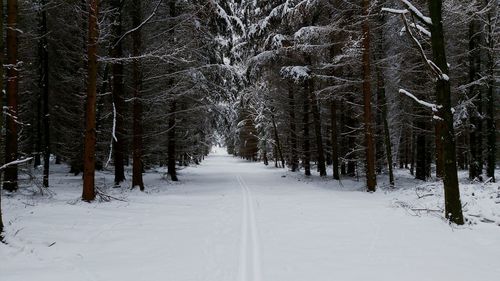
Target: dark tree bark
{"x": 173, "y": 108}
{"x": 492, "y": 103}
{"x": 381, "y": 96}
{"x": 475, "y": 113}
{"x": 38, "y": 120}
{"x": 453, "y": 205}
{"x": 264, "y": 154}
{"x": 118, "y": 91}
{"x": 306, "y": 145}
{"x": 171, "y": 142}
{"x": 317, "y": 129}
{"x": 88, "y": 193}
{"x": 137, "y": 168}
{"x": 294, "y": 161}
{"x": 2, "y": 47}
{"x": 44, "y": 77}
{"x": 335, "y": 146}
{"x": 371, "y": 178}
{"x": 277, "y": 140}
{"x": 438, "y": 127}
{"x": 11, "y": 133}
{"x": 387, "y": 133}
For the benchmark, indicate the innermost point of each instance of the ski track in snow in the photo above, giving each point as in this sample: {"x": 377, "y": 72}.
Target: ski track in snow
{"x": 250, "y": 261}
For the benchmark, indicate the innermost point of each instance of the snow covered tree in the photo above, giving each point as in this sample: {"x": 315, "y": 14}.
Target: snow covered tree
{"x": 443, "y": 109}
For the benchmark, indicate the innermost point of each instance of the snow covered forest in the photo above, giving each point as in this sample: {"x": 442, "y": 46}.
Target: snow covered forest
{"x": 128, "y": 119}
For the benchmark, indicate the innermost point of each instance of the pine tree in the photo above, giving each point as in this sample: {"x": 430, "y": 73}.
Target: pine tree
{"x": 453, "y": 205}
{"x": 137, "y": 87}
{"x": 90, "y": 130}
{"x": 11, "y": 139}
{"x": 371, "y": 178}
{"x": 2, "y": 47}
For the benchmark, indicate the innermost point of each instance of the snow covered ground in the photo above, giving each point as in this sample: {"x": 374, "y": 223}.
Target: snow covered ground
{"x": 238, "y": 221}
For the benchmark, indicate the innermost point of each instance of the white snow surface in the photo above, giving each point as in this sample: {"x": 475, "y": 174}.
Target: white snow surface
{"x": 229, "y": 219}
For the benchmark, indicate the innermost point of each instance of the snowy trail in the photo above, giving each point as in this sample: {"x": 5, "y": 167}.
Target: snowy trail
{"x": 250, "y": 247}
{"x": 232, "y": 220}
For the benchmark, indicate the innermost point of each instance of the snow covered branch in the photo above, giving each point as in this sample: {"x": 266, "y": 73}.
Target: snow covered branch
{"x": 16, "y": 162}
{"x": 416, "y": 13}
{"x": 438, "y": 73}
{"x": 433, "y": 107}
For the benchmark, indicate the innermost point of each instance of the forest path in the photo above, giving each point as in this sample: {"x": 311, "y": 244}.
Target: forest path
{"x": 232, "y": 220}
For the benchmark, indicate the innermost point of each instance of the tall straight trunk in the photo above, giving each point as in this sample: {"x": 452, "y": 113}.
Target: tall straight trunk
{"x": 1, "y": 106}
{"x": 381, "y": 96}
{"x": 335, "y": 145}
{"x": 294, "y": 161}
{"x": 333, "y": 119}
{"x": 264, "y": 153}
{"x": 38, "y": 120}
{"x": 137, "y": 168}
{"x": 278, "y": 142}
{"x": 306, "y": 145}
{"x": 172, "y": 142}
{"x": 438, "y": 127}
{"x": 387, "y": 133}
{"x": 350, "y": 139}
{"x": 492, "y": 103}
{"x": 275, "y": 156}
{"x": 453, "y": 206}
{"x": 317, "y": 129}
{"x": 88, "y": 193}
{"x": 45, "y": 95}
{"x": 412, "y": 151}
{"x": 11, "y": 134}
{"x": 371, "y": 178}
{"x": 475, "y": 114}
{"x": 173, "y": 108}
{"x": 117, "y": 93}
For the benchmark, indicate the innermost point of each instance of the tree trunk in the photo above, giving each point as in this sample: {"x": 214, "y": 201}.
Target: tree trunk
{"x": 117, "y": 93}
{"x": 11, "y": 134}
{"x": 173, "y": 108}
{"x": 306, "y": 146}
{"x": 475, "y": 113}
{"x": 453, "y": 206}
{"x": 371, "y": 178}
{"x": 294, "y": 161}
{"x": 335, "y": 146}
{"x": 1, "y": 106}
{"x": 278, "y": 142}
{"x": 38, "y": 120}
{"x": 317, "y": 129}
{"x": 171, "y": 142}
{"x": 45, "y": 95}
{"x": 264, "y": 153}
{"x": 387, "y": 133}
{"x": 137, "y": 168}
{"x": 90, "y": 128}
{"x": 492, "y": 103}
{"x": 381, "y": 94}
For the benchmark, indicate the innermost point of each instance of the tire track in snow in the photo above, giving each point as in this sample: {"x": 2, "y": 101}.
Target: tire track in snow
{"x": 249, "y": 263}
